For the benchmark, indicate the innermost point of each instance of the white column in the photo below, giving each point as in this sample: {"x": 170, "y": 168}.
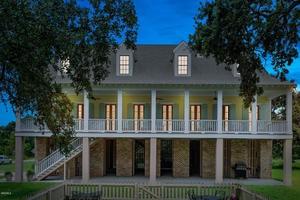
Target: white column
{"x": 18, "y": 121}
{"x": 219, "y": 160}
{"x": 186, "y": 110}
{"x": 219, "y": 110}
{"x": 120, "y": 109}
{"x": 85, "y": 159}
{"x": 153, "y": 149}
{"x": 86, "y": 105}
{"x": 289, "y": 111}
{"x": 269, "y": 105}
{"x": 287, "y": 162}
{"x": 19, "y": 158}
{"x": 153, "y": 110}
{"x": 65, "y": 170}
{"x": 254, "y": 114}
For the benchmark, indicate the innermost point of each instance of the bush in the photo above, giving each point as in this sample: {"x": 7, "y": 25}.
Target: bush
{"x": 8, "y": 175}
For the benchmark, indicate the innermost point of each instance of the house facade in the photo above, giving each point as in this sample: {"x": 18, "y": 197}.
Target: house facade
{"x": 166, "y": 111}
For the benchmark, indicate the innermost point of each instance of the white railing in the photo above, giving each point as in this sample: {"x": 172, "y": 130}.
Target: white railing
{"x": 265, "y": 126}
{"x": 169, "y": 125}
{"x": 133, "y": 125}
{"x": 236, "y": 126}
{"x": 55, "y": 157}
{"x": 203, "y": 125}
{"x": 103, "y": 125}
{"x": 78, "y": 124}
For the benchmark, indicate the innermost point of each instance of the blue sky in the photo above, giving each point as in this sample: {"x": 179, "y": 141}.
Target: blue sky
{"x": 162, "y": 22}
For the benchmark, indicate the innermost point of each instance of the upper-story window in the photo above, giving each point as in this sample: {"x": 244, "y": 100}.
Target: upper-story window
{"x": 124, "y": 61}
{"x": 182, "y": 65}
{"x": 124, "y": 65}
{"x": 182, "y": 60}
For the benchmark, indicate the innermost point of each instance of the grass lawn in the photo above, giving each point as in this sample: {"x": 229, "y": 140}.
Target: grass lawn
{"x": 28, "y": 165}
{"x": 21, "y": 190}
{"x": 282, "y": 192}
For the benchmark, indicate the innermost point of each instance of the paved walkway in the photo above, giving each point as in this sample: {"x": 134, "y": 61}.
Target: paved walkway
{"x": 172, "y": 180}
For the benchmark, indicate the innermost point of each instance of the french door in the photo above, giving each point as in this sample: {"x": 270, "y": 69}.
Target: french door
{"x": 80, "y": 111}
{"x": 139, "y": 151}
{"x": 138, "y": 110}
{"x": 226, "y": 117}
{"x": 110, "y": 116}
{"x": 195, "y": 115}
{"x": 167, "y": 117}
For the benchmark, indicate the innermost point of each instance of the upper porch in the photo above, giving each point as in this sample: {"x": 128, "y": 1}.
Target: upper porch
{"x": 180, "y": 113}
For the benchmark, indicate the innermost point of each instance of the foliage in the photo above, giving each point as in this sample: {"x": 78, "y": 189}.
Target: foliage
{"x": 247, "y": 33}
{"x": 28, "y": 165}
{"x": 42, "y": 38}
{"x": 7, "y": 142}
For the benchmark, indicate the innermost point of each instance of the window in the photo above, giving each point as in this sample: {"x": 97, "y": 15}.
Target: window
{"x": 195, "y": 115}
{"x": 65, "y": 65}
{"x": 226, "y": 117}
{"x": 80, "y": 111}
{"x": 167, "y": 117}
{"x": 138, "y": 116}
{"x": 182, "y": 65}
{"x": 124, "y": 65}
{"x": 110, "y": 115}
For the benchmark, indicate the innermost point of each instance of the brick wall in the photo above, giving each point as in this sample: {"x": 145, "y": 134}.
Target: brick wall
{"x": 266, "y": 159}
{"x": 181, "y": 158}
{"x": 239, "y": 152}
{"x": 97, "y": 158}
{"x": 124, "y": 157}
{"x": 208, "y": 158}
{"x": 41, "y": 149}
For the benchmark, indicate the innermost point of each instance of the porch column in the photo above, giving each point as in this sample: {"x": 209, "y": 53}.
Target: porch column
{"x": 269, "y": 105}
{"x": 65, "y": 170}
{"x": 85, "y": 159}
{"x": 19, "y": 158}
{"x": 254, "y": 116}
{"x": 219, "y": 160}
{"x": 86, "y": 105}
{"x": 186, "y": 110}
{"x": 153, "y": 148}
{"x": 153, "y": 110}
{"x": 120, "y": 109}
{"x": 287, "y": 162}
{"x": 289, "y": 113}
{"x": 219, "y": 110}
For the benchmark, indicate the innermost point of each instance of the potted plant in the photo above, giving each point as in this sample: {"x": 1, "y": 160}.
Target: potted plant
{"x": 8, "y": 175}
{"x": 30, "y": 175}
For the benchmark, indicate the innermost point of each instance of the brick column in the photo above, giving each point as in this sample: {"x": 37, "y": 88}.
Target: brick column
{"x": 19, "y": 154}
{"x": 41, "y": 148}
{"x": 239, "y": 152}
{"x": 266, "y": 159}
{"x": 208, "y": 158}
{"x": 181, "y": 158}
{"x": 85, "y": 159}
{"x": 124, "y": 157}
{"x": 97, "y": 153}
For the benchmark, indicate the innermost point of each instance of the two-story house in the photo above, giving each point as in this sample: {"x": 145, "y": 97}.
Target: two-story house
{"x": 166, "y": 111}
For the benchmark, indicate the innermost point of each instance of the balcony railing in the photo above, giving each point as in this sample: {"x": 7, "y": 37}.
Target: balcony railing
{"x": 169, "y": 126}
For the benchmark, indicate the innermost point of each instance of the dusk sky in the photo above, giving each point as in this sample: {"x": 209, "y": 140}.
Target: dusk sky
{"x": 162, "y": 22}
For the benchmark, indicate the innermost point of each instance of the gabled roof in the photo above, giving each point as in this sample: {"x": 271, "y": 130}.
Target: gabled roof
{"x": 154, "y": 65}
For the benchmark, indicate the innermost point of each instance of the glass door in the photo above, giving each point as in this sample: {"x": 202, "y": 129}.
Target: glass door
{"x": 167, "y": 117}
{"x": 139, "y": 164}
{"x": 195, "y": 115}
{"x": 110, "y": 116}
{"x": 139, "y": 110}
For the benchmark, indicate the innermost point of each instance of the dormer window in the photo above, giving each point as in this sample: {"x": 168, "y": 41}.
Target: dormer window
{"x": 182, "y": 60}
{"x": 124, "y": 61}
{"x": 235, "y": 71}
{"x": 124, "y": 65}
{"x": 182, "y": 65}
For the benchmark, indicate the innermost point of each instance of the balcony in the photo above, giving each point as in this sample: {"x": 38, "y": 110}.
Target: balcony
{"x": 168, "y": 126}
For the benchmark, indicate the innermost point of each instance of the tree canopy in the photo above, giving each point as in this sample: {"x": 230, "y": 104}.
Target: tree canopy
{"x": 38, "y": 36}
{"x": 248, "y": 33}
